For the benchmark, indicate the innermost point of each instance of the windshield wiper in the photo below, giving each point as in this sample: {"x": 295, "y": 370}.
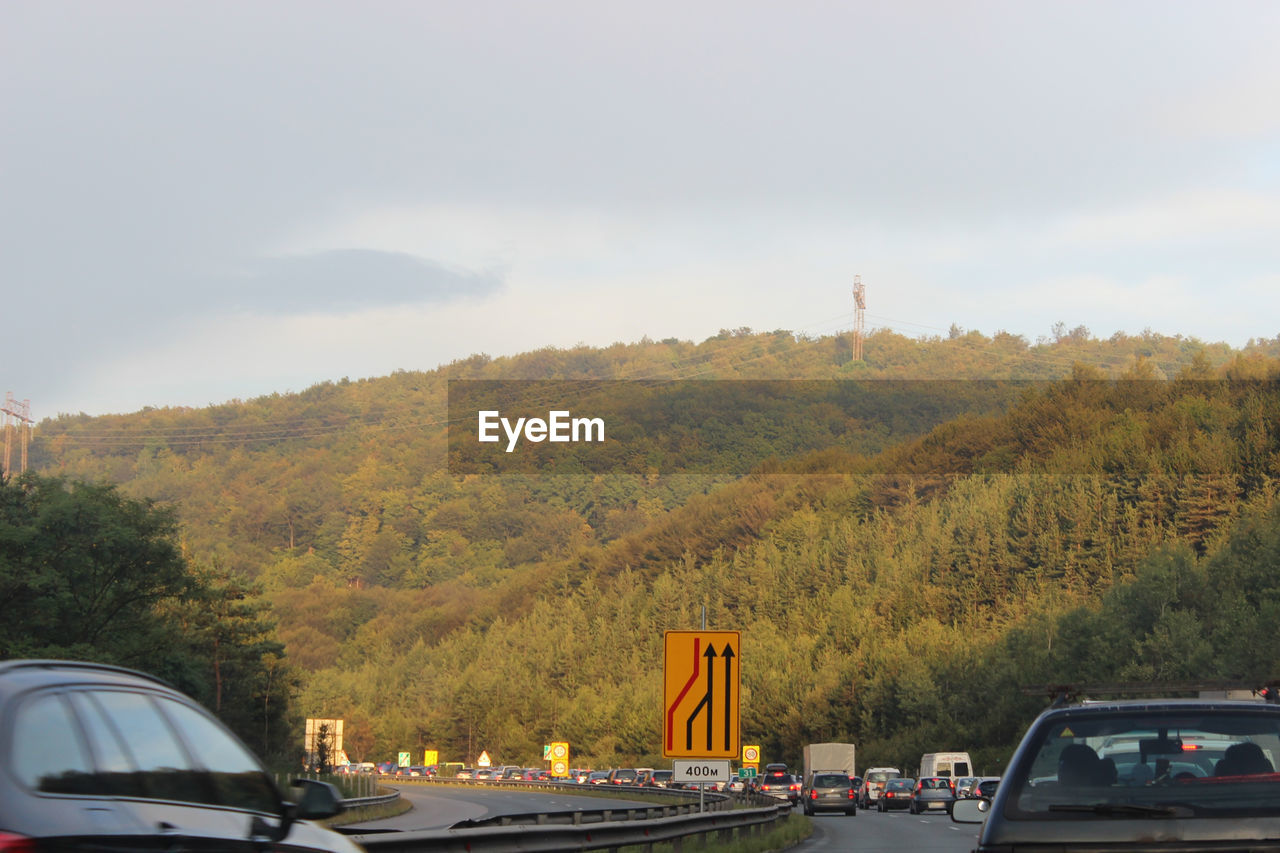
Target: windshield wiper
{"x": 1124, "y": 810}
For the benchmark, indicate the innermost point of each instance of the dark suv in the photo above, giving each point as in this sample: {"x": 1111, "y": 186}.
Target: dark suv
{"x": 829, "y": 792}
{"x": 97, "y": 757}
{"x": 1139, "y": 775}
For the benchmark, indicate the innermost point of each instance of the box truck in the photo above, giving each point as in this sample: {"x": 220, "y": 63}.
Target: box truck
{"x": 829, "y": 756}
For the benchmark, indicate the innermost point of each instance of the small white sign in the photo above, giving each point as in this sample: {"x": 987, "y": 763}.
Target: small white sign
{"x": 686, "y": 770}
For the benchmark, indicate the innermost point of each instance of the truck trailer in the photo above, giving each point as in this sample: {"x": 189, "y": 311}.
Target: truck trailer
{"x": 837, "y": 757}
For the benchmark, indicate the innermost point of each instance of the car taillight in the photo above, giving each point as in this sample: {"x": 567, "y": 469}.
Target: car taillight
{"x": 16, "y": 843}
{"x": 813, "y": 795}
{"x": 851, "y": 793}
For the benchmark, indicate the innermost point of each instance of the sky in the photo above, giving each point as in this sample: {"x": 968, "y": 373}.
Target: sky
{"x": 210, "y": 201}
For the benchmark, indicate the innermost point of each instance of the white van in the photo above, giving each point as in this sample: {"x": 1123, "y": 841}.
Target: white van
{"x": 950, "y": 764}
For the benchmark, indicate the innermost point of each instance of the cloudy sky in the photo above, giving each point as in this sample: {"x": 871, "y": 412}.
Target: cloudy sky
{"x": 205, "y": 201}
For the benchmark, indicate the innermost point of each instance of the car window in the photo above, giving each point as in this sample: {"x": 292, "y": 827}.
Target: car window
{"x": 48, "y": 753}
{"x": 830, "y": 780}
{"x": 237, "y": 778}
{"x": 1185, "y": 761}
{"x": 115, "y": 774}
{"x": 162, "y": 766}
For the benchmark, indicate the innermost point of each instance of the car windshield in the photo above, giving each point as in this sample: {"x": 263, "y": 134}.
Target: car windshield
{"x": 881, "y": 776}
{"x": 830, "y": 780}
{"x": 898, "y": 785}
{"x": 1162, "y": 763}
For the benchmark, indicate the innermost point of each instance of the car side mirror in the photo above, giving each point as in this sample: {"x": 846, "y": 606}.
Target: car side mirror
{"x": 970, "y": 811}
{"x": 319, "y": 800}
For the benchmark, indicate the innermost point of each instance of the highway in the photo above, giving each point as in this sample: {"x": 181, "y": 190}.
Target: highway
{"x": 899, "y": 832}
{"x": 437, "y": 807}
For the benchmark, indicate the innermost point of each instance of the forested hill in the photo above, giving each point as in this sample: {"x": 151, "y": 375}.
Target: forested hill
{"x": 885, "y": 580}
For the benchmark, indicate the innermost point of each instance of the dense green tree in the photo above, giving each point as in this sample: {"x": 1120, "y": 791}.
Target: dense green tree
{"x": 87, "y": 573}
{"x": 83, "y": 572}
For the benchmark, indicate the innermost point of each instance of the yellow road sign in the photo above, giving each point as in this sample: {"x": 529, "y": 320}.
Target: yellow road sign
{"x": 701, "y": 707}
{"x": 560, "y": 759}
{"x": 751, "y": 754}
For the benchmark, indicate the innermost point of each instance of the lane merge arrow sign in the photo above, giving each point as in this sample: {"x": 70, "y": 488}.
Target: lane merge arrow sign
{"x": 701, "y": 681}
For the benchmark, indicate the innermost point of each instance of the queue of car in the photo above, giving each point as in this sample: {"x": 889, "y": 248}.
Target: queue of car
{"x": 882, "y": 789}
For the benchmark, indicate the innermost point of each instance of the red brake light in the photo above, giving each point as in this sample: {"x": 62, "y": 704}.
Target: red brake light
{"x": 16, "y": 843}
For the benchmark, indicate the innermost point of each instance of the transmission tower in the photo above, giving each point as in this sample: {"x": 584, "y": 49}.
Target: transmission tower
{"x": 859, "y": 321}
{"x": 15, "y": 415}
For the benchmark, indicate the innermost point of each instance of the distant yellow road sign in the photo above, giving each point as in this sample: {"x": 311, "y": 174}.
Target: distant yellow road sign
{"x": 751, "y": 754}
{"x": 701, "y": 707}
{"x": 559, "y": 760}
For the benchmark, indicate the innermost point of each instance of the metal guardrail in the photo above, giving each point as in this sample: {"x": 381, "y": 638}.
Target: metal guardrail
{"x": 587, "y": 829}
{"x": 583, "y": 835}
{"x": 380, "y": 799}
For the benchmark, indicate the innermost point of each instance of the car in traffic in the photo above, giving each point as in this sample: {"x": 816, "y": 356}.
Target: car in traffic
{"x": 1139, "y": 775}
{"x": 598, "y": 777}
{"x": 99, "y": 757}
{"x": 873, "y": 782}
{"x": 932, "y": 794}
{"x": 986, "y": 787}
{"x": 622, "y": 776}
{"x": 660, "y": 779}
{"x": 964, "y": 786}
{"x": 828, "y": 792}
{"x": 781, "y": 785}
{"x": 896, "y": 794}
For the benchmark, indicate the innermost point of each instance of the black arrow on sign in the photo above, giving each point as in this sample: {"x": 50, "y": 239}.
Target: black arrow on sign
{"x": 728, "y": 703}
{"x": 707, "y": 703}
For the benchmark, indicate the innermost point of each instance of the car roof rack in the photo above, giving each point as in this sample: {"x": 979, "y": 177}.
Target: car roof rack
{"x": 1061, "y": 695}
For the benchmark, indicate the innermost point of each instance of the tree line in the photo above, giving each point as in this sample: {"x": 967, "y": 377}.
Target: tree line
{"x": 899, "y": 592}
